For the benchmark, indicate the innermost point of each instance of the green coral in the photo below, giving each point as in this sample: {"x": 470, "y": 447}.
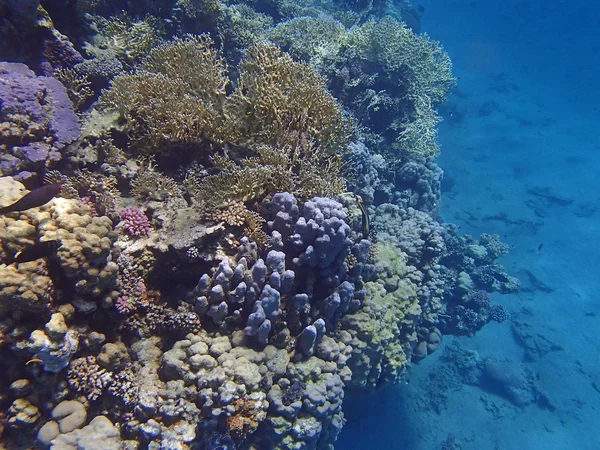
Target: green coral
{"x": 384, "y": 330}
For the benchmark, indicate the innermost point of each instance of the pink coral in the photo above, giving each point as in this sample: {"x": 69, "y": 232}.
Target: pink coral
{"x": 134, "y": 221}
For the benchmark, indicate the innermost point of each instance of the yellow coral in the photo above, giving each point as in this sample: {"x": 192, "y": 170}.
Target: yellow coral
{"x": 84, "y": 253}
{"x": 279, "y": 102}
{"x": 180, "y": 99}
{"x": 384, "y": 330}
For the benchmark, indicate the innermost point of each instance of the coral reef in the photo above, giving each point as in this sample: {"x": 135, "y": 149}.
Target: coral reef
{"x": 246, "y": 226}
{"x": 276, "y": 101}
{"x": 36, "y": 121}
{"x": 389, "y": 77}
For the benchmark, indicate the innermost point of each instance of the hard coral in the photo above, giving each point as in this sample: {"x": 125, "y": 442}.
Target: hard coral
{"x": 180, "y": 99}
{"x": 304, "y": 171}
{"x": 177, "y": 99}
{"x": 134, "y": 221}
{"x": 123, "y": 38}
{"x": 83, "y": 254}
{"x": 389, "y": 77}
{"x": 279, "y": 101}
{"x": 36, "y": 120}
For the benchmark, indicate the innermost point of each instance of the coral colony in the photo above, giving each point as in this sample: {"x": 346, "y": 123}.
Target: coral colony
{"x": 245, "y": 227}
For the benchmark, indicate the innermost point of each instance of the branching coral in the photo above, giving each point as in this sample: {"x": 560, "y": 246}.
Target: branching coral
{"x": 98, "y": 191}
{"x": 176, "y": 100}
{"x": 279, "y": 102}
{"x": 123, "y": 38}
{"x": 303, "y": 171}
{"x": 149, "y": 184}
{"x": 77, "y": 86}
{"x": 418, "y": 59}
{"x": 180, "y": 99}
{"x": 389, "y": 77}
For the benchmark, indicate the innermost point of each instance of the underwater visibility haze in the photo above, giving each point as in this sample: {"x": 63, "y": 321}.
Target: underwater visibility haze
{"x": 257, "y": 224}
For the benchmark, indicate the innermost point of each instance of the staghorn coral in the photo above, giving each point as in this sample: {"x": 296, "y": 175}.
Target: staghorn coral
{"x": 394, "y": 46}
{"x": 180, "y": 100}
{"x": 315, "y": 39}
{"x": 419, "y": 135}
{"x": 389, "y": 77}
{"x": 242, "y": 26}
{"x": 177, "y": 99}
{"x": 123, "y": 38}
{"x": 77, "y": 85}
{"x": 197, "y": 9}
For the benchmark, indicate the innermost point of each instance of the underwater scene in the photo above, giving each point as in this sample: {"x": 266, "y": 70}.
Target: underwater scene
{"x": 310, "y": 224}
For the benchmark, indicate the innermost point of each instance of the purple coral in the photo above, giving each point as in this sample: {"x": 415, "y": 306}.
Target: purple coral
{"x": 134, "y": 221}
{"x": 40, "y": 116}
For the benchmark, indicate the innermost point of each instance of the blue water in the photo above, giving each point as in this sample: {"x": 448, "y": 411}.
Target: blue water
{"x": 520, "y": 140}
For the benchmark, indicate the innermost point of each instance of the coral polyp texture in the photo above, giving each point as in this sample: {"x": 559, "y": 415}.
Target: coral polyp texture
{"x": 245, "y": 228}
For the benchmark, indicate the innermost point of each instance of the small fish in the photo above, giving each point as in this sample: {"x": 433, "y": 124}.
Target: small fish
{"x": 33, "y": 199}
{"x": 540, "y": 247}
{"x": 37, "y": 251}
{"x": 365, "y": 217}
{"x": 34, "y": 361}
